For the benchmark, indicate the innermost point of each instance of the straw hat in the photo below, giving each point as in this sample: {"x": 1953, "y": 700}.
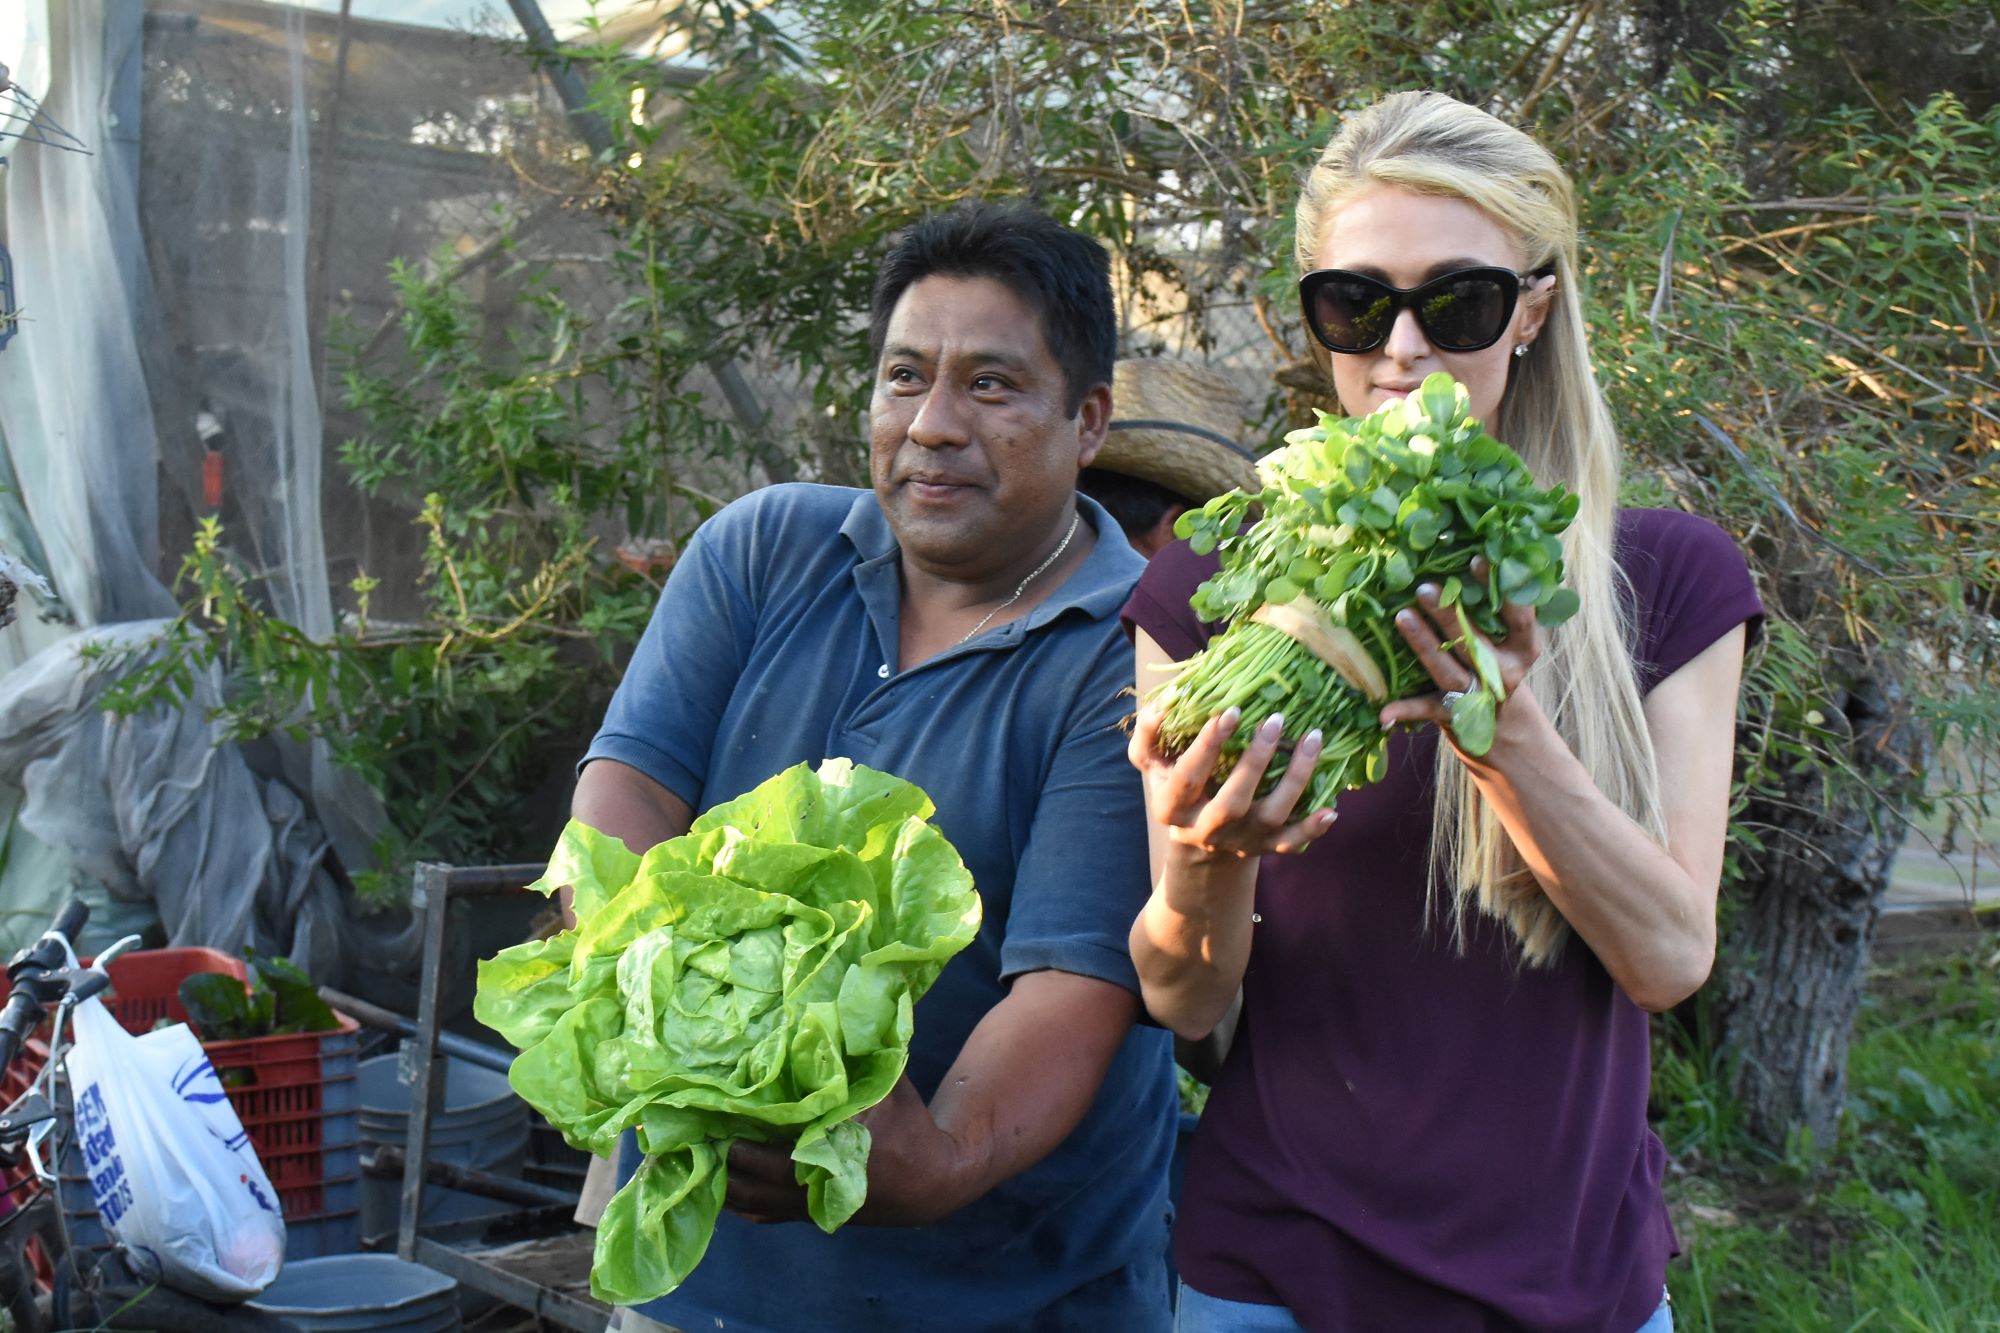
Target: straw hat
{"x": 1178, "y": 425}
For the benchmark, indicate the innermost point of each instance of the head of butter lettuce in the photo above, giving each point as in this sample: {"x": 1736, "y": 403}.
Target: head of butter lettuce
{"x": 754, "y": 979}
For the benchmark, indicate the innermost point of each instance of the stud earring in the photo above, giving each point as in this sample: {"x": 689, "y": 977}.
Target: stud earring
{"x": 1520, "y": 349}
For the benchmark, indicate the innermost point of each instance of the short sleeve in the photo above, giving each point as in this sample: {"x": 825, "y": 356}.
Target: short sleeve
{"x": 663, "y": 717}
{"x": 1083, "y": 876}
{"x": 1690, "y": 586}
{"x": 1159, "y": 604}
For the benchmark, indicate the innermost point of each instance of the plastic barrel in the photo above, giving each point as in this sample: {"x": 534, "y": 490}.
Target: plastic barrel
{"x": 483, "y": 1125}
{"x": 363, "y": 1293}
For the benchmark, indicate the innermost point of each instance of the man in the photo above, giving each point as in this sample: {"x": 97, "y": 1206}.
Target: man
{"x": 956, "y": 627}
{"x": 1172, "y": 446}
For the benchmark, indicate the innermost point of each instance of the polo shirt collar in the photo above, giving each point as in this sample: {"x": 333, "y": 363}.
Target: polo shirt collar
{"x": 1098, "y": 587}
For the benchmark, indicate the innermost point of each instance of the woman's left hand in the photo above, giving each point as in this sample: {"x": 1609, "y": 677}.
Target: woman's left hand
{"x": 1427, "y": 627}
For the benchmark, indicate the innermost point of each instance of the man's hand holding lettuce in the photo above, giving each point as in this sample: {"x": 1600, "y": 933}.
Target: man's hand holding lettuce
{"x": 754, "y": 979}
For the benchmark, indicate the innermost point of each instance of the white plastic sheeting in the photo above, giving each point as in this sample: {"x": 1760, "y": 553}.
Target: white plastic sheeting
{"x": 75, "y": 414}
{"x": 255, "y": 168}
{"x": 150, "y": 813}
{"x": 160, "y": 813}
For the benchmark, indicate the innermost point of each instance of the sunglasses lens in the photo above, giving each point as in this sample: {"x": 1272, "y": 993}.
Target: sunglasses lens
{"x": 1351, "y": 314}
{"x": 1463, "y": 314}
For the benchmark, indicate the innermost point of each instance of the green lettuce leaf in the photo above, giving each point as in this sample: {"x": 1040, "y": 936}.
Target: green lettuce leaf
{"x": 756, "y": 978}
{"x": 656, "y": 1229}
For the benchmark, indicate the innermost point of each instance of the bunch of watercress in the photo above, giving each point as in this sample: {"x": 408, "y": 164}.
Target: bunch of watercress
{"x": 1356, "y": 513}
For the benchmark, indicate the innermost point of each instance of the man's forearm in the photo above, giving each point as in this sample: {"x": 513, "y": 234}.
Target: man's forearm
{"x": 618, "y": 799}
{"x": 1021, "y": 1083}
{"x": 1028, "y": 1074}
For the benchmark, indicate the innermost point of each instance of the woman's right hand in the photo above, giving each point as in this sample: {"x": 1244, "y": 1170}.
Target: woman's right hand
{"x": 1233, "y": 821}
{"x": 1191, "y": 941}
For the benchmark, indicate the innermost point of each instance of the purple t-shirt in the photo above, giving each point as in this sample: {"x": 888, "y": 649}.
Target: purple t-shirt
{"x": 1406, "y": 1137}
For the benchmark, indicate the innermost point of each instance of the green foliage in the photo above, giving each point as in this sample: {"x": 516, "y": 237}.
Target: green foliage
{"x": 1807, "y": 359}
{"x": 277, "y": 999}
{"x": 512, "y": 467}
{"x": 1899, "y": 1227}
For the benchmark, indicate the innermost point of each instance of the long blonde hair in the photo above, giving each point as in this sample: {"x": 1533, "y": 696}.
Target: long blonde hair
{"x": 1555, "y": 417}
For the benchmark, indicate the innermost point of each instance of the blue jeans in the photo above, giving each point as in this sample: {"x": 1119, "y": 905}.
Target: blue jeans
{"x": 1197, "y": 1313}
{"x": 1662, "y": 1320}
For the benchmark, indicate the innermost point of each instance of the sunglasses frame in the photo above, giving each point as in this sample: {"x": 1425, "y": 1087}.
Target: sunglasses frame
{"x": 1410, "y": 298}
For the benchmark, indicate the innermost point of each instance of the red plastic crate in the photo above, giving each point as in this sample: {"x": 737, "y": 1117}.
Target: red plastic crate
{"x": 276, "y": 1083}
{"x": 16, "y": 1182}
{"x": 146, "y": 985}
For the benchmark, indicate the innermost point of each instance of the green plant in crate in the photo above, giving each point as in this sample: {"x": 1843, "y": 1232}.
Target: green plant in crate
{"x": 276, "y": 1000}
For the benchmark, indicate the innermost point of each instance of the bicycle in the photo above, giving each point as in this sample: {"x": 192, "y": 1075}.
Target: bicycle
{"x": 45, "y": 1284}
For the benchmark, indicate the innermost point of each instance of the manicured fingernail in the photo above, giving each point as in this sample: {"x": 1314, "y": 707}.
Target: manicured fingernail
{"x": 1230, "y": 717}
{"x": 1274, "y": 726}
{"x": 1326, "y": 818}
{"x": 1311, "y": 743}
{"x": 1427, "y": 591}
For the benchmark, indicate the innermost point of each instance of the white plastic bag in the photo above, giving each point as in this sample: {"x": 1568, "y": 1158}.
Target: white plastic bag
{"x": 176, "y": 1180}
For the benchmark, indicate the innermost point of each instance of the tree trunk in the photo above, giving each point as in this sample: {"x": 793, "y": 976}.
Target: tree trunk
{"x": 1794, "y": 953}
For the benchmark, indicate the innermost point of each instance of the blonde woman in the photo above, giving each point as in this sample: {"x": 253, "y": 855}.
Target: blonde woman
{"x": 1433, "y": 1114}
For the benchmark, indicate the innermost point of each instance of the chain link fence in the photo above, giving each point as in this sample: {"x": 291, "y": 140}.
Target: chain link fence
{"x": 290, "y": 157}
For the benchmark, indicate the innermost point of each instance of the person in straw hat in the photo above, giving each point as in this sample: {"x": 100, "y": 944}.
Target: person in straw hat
{"x": 1173, "y": 444}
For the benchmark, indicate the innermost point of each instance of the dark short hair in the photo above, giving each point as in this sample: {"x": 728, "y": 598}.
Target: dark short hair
{"x": 1137, "y": 504}
{"x": 1063, "y": 275}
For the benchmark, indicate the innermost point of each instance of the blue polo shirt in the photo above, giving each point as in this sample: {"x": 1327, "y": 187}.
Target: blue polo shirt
{"x": 774, "y": 643}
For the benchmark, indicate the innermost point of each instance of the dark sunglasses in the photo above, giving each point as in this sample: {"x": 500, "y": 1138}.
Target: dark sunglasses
{"x": 1463, "y": 311}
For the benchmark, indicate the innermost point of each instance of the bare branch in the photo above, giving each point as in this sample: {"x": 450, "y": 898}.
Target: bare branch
{"x": 1554, "y": 63}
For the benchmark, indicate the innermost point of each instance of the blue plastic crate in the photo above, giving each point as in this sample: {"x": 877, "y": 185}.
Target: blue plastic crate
{"x": 335, "y": 1231}
{"x": 336, "y": 1228}
{"x": 339, "y": 1067}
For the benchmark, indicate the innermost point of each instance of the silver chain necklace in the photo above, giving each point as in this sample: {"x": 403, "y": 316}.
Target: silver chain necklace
{"x": 1054, "y": 556}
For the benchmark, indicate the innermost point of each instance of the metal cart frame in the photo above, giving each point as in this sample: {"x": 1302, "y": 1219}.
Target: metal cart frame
{"x": 436, "y": 887}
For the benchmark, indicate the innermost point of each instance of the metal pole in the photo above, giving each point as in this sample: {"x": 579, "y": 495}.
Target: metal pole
{"x": 736, "y": 391}
{"x": 430, "y": 896}
{"x": 387, "y": 1020}
{"x": 575, "y": 99}
{"x": 389, "y": 1161}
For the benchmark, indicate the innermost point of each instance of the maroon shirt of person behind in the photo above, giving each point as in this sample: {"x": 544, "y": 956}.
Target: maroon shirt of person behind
{"x": 1408, "y": 1137}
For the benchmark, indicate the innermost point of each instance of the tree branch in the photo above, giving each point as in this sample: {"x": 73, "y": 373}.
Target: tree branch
{"x": 1856, "y": 204}
{"x": 1771, "y": 492}
{"x": 1554, "y": 63}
